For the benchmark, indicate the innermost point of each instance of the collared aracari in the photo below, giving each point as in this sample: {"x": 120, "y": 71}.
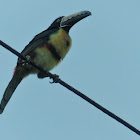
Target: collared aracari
{"x": 46, "y": 49}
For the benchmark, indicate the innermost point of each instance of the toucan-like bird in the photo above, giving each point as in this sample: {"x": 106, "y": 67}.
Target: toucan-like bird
{"x": 46, "y": 49}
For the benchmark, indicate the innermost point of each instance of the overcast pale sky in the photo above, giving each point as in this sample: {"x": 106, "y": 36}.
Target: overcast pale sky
{"x": 103, "y": 63}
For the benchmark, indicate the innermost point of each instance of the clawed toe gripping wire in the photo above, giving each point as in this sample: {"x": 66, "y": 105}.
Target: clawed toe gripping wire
{"x": 56, "y": 79}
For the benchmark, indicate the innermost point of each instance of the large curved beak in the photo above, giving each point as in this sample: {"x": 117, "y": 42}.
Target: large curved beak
{"x": 74, "y": 18}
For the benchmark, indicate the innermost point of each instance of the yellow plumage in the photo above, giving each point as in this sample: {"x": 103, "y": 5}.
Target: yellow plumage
{"x": 59, "y": 41}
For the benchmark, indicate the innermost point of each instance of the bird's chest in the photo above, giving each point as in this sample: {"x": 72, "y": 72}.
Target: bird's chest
{"x": 51, "y": 53}
{"x": 62, "y": 42}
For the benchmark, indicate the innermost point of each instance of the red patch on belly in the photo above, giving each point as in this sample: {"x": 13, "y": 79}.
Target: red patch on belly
{"x": 15, "y": 70}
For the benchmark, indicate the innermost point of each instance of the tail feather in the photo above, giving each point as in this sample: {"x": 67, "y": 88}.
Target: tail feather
{"x": 9, "y": 91}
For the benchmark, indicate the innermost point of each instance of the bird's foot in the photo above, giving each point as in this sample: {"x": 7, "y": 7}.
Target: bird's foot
{"x": 42, "y": 75}
{"x": 27, "y": 61}
{"x": 55, "y": 79}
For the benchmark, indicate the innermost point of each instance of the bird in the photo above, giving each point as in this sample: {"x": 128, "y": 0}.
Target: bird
{"x": 47, "y": 49}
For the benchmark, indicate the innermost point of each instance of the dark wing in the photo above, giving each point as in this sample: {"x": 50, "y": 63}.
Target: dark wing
{"x": 38, "y": 41}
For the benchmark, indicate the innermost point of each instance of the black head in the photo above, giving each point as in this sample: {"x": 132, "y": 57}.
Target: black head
{"x": 56, "y": 23}
{"x": 67, "y": 22}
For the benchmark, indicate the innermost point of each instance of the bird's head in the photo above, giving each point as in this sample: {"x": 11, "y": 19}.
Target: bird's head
{"x": 66, "y": 22}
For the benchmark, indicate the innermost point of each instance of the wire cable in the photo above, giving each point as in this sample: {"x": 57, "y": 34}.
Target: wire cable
{"x": 56, "y": 79}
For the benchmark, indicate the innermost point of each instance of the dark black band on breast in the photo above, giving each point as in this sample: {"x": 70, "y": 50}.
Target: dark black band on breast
{"x": 54, "y": 52}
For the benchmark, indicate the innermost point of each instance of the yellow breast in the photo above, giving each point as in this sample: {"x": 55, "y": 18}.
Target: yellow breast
{"x": 61, "y": 41}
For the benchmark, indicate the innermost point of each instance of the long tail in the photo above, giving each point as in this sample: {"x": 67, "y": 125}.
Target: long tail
{"x": 17, "y": 78}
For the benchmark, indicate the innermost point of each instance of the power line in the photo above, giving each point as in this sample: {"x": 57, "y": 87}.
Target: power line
{"x": 56, "y": 79}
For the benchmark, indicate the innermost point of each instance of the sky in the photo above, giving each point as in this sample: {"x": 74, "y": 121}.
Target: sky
{"x": 103, "y": 63}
